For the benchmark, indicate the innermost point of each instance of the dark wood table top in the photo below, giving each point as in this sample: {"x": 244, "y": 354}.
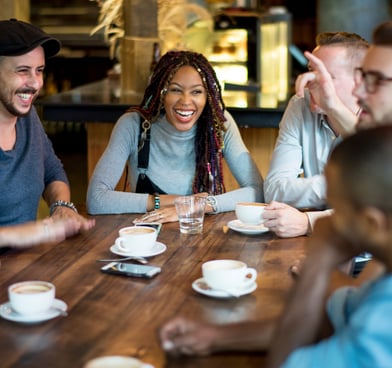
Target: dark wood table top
{"x": 115, "y": 315}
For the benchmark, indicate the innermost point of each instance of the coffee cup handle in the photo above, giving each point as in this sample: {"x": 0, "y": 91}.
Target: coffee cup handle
{"x": 251, "y": 275}
{"x": 119, "y": 245}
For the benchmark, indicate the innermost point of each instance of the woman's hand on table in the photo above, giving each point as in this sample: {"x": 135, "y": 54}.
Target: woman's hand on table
{"x": 162, "y": 215}
{"x": 167, "y": 212}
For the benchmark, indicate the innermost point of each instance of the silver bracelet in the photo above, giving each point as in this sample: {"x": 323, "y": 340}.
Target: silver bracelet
{"x": 61, "y": 203}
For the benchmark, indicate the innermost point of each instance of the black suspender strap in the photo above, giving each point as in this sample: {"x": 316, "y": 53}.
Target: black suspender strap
{"x": 144, "y": 144}
{"x": 144, "y": 184}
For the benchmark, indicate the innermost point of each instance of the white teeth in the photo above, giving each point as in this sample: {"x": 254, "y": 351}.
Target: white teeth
{"x": 24, "y": 96}
{"x": 184, "y": 113}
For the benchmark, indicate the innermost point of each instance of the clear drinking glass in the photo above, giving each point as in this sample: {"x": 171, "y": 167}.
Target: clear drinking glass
{"x": 190, "y": 212}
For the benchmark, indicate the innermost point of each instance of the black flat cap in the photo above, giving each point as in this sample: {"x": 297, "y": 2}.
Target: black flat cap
{"x": 18, "y": 38}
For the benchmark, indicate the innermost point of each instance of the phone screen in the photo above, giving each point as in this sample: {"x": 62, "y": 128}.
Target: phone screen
{"x": 130, "y": 269}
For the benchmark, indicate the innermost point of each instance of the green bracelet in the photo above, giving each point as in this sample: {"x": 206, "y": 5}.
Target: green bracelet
{"x": 157, "y": 201}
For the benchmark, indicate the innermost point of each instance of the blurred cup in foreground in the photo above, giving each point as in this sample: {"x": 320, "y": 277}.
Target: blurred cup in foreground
{"x": 116, "y": 361}
{"x": 225, "y": 274}
{"x": 250, "y": 213}
{"x": 190, "y": 212}
{"x": 31, "y": 297}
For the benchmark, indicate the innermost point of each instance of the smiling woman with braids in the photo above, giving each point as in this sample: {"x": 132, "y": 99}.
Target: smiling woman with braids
{"x": 174, "y": 143}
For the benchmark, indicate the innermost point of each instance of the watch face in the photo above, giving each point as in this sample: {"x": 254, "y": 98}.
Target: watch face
{"x": 211, "y": 201}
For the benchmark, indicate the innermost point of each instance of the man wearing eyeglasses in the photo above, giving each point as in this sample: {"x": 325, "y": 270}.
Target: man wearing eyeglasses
{"x": 374, "y": 80}
{"x": 315, "y": 120}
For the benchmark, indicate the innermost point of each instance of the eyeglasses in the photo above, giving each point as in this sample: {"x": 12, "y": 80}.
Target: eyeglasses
{"x": 371, "y": 79}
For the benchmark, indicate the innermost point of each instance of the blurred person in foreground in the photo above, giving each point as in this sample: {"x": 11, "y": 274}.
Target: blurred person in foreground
{"x": 173, "y": 144}
{"x": 30, "y": 169}
{"x": 321, "y": 327}
{"x": 318, "y": 117}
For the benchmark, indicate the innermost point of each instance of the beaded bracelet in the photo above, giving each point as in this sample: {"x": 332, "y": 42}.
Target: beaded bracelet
{"x": 157, "y": 201}
{"x": 61, "y": 203}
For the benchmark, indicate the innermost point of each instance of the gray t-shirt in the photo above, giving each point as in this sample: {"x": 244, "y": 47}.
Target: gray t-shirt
{"x": 26, "y": 170}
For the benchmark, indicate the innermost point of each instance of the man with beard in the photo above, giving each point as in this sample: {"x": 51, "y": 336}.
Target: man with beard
{"x": 374, "y": 80}
{"x": 317, "y": 118}
{"x": 29, "y": 168}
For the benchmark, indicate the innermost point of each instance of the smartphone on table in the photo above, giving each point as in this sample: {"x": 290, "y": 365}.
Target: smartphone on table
{"x": 131, "y": 270}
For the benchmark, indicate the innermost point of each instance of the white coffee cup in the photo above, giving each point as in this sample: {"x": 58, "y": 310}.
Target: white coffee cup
{"x": 225, "y": 274}
{"x": 250, "y": 213}
{"x": 31, "y": 297}
{"x": 136, "y": 239}
{"x": 116, "y": 361}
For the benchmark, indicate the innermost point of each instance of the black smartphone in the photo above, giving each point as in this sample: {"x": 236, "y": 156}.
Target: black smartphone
{"x": 130, "y": 269}
{"x": 155, "y": 225}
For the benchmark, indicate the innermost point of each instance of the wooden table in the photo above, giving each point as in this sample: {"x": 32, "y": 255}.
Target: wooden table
{"x": 114, "y": 315}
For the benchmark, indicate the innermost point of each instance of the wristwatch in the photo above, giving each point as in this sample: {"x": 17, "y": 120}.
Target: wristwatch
{"x": 211, "y": 201}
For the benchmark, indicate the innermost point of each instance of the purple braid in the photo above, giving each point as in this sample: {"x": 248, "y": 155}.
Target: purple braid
{"x": 210, "y": 126}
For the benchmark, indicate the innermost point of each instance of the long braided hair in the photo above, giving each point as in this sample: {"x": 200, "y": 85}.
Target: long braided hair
{"x": 210, "y": 126}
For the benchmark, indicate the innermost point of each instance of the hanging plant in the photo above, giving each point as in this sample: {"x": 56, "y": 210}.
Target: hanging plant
{"x": 175, "y": 17}
{"x": 111, "y": 21}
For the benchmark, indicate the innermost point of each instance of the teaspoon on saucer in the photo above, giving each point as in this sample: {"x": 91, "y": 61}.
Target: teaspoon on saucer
{"x": 141, "y": 260}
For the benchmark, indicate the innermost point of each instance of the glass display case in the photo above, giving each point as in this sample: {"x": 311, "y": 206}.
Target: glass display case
{"x": 250, "y": 52}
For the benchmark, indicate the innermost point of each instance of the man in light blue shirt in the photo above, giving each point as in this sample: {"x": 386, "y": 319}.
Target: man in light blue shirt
{"x": 317, "y": 118}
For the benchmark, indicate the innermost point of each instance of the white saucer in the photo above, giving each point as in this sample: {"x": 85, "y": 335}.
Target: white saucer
{"x": 157, "y": 249}
{"x": 237, "y": 225}
{"x": 56, "y": 310}
{"x": 201, "y": 287}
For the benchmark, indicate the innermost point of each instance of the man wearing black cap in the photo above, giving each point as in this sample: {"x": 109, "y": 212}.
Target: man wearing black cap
{"x": 29, "y": 168}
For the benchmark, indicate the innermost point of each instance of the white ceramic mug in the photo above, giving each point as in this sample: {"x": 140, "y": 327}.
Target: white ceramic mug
{"x": 225, "y": 274}
{"x": 250, "y": 213}
{"x": 136, "y": 239}
{"x": 31, "y": 297}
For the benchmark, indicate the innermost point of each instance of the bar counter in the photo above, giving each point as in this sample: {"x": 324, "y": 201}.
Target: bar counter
{"x": 103, "y": 102}
{"x": 100, "y": 104}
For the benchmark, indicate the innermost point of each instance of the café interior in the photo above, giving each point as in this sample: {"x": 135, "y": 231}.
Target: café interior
{"x": 256, "y": 48}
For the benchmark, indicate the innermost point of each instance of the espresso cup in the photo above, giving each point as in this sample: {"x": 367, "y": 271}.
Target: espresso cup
{"x": 31, "y": 297}
{"x": 250, "y": 213}
{"x": 225, "y": 274}
{"x": 136, "y": 239}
